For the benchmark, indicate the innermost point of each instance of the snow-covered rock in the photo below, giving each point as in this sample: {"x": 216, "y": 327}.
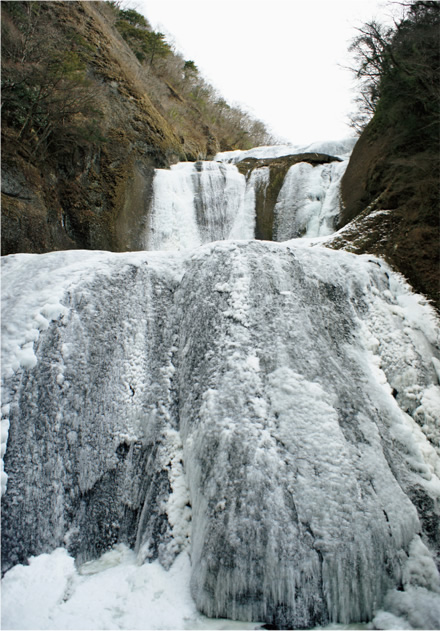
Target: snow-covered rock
{"x": 237, "y": 401}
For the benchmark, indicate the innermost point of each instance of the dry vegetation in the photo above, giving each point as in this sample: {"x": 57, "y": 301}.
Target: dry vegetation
{"x": 87, "y": 113}
{"x": 180, "y": 92}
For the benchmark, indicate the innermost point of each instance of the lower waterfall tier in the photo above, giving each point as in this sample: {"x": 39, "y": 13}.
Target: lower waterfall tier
{"x": 270, "y": 407}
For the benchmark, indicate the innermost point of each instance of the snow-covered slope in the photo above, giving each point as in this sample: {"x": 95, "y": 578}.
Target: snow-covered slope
{"x": 268, "y": 408}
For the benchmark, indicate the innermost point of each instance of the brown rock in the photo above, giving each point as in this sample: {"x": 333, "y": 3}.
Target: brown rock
{"x": 390, "y": 208}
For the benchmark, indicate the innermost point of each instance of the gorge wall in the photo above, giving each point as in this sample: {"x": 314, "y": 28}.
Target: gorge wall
{"x": 88, "y": 195}
{"x": 391, "y": 188}
{"x": 91, "y": 187}
{"x": 390, "y": 207}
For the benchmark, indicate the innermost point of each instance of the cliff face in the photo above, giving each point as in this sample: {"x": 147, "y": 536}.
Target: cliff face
{"x": 390, "y": 190}
{"x": 93, "y": 204}
{"x": 88, "y": 196}
{"x": 390, "y": 208}
{"x": 90, "y": 191}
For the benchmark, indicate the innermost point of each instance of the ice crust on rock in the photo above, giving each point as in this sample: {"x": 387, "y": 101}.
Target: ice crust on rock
{"x": 307, "y": 501}
{"x": 85, "y": 422}
{"x": 236, "y": 401}
{"x": 338, "y": 148}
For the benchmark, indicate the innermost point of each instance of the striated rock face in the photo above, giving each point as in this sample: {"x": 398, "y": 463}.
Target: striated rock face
{"x": 97, "y": 203}
{"x": 390, "y": 208}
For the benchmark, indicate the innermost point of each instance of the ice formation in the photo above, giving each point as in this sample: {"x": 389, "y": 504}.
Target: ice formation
{"x": 308, "y": 203}
{"x": 199, "y": 202}
{"x": 269, "y": 408}
{"x": 340, "y": 148}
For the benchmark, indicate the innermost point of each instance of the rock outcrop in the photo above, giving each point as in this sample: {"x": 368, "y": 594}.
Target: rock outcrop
{"x": 81, "y": 198}
{"x": 390, "y": 207}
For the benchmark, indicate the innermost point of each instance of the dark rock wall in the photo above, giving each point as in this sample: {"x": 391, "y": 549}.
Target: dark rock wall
{"x": 391, "y": 196}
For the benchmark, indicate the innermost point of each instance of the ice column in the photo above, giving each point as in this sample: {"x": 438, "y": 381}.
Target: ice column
{"x": 196, "y": 203}
{"x": 308, "y": 203}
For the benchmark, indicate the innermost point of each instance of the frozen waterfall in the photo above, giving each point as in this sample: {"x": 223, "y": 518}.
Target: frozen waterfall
{"x": 308, "y": 203}
{"x": 196, "y": 203}
{"x": 201, "y": 202}
{"x": 259, "y": 419}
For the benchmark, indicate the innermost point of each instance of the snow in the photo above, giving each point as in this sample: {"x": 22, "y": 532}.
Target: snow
{"x": 241, "y": 428}
{"x": 337, "y": 148}
{"x": 113, "y": 592}
{"x": 417, "y": 605}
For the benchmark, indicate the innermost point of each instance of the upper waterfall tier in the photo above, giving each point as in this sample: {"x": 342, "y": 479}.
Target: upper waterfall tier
{"x": 308, "y": 202}
{"x": 272, "y": 197}
{"x": 199, "y": 202}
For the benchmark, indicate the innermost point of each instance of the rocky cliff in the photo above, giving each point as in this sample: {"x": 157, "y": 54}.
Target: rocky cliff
{"x": 390, "y": 207}
{"x": 88, "y": 186}
{"x": 86, "y": 196}
{"x": 390, "y": 191}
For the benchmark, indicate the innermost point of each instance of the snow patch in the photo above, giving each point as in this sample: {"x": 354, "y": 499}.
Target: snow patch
{"x": 112, "y": 592}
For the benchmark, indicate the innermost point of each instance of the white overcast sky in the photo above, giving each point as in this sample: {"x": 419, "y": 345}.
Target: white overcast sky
{"x": 278, "y": 59}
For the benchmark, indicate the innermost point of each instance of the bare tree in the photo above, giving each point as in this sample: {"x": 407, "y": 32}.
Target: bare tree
{"x": 46, "y": 96}
{"x": 398, "y": 68}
